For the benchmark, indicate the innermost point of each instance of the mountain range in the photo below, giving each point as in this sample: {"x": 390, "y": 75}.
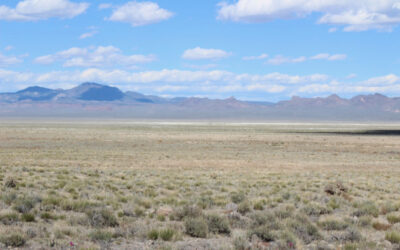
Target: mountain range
{"x": 97, "y": 100}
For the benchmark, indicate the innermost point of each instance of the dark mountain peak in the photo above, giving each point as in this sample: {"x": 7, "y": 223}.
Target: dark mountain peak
{"x": 334, "y": 97}
{"x": 90, "y": 91}
{"x": 36, "y": 89}
{"x": 91, "y": 85}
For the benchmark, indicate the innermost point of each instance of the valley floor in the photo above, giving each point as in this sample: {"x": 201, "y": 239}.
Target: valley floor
{"x": 138, "y": 185}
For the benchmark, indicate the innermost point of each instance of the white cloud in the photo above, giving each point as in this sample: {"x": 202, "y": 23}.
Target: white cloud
{"x": 200, "y": 54}
{"x": 88, "y": 34}
{"x": 140, "y": 13}
{"x": 205, "y": 83}
{"x": 8, "y": 48}
{"x": 32, "y": 10}
{"x": 101, "y": 56}
{"x": 329, "y": 57}
{"x": 260, "y": 57}
{"x": 355, "y": 15}
{"x": 383, "y": 80}
{"x": 279, "y": 59}
{"x": 103, "y": 6}
{"x": 9, "y": 60}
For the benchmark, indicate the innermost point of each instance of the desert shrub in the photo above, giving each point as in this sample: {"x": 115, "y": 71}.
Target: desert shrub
{"x": 218, "y": 224}
{"x": 332, "y": 224}
{"x": 13, "y": 240}
{"x": 304, "y": 228}
{"x": 101, "y": 218}
{"x": 101, "y": 235}
{"x": 25, "y": 204}
{"x": 167, "y": 234}
{"x": 187, "y": 212}
{"x": 52, "y": 201}
{"x": 48, "y": 216}
{"x": 153, "y": 234}
{"x": 389, "y": 207}
{"x": 286, "y": 240}
{"x": 205, "y": 202}
{"x": 240, "y": 241}
{"x": 314, "y": 209}
{"x": 381, "y": 226}
{"x": 393, "y": 218}
{"x": 284, "y": 212}
{"x": 10, "y": 183}
{"x": 196, "y": 227}
{"x": 244, "y": 207}
{"x": 364, "y": 221}
{"x": 264, "y": 233}
{"x": 260, "y": 218}
{"x": 139, "y": 212}
{"x": 77, "y": 206}
{"x": 350, "y": 246}
{"x": 352, "y": 234}
{"x": 366, "y": 208}
{"x": 28, "y": 217}
{"x": 9, "y": 218}
{"x": 393, "y": 237}
{"x": 259, "y": 205}
{"x": 333, "y": 203}
{"x": 9, "y": 197}
{"x": 238, "y": 197}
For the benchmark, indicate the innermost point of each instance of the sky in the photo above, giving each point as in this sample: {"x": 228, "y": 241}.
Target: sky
{"x": 264, "y": 50}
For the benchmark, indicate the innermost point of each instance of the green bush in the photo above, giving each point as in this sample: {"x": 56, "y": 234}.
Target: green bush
{"x": 9, "y": 219}
{"x": 393, "y": 218}
{"x": 244, "y": 207}
{"x": 13, "y": 240}
{"x": 28, "y": 217}
{"x": 196, "y": 227}
{"x": 304, "y": 229}
{"x": 101, "y": 235}
{"x": 167, "y": 234}
{"x": 187, "y": 212}
{"x": 314, "y": 209}
{"x": 152, "y": 234}
{"x": 259, "y": 205}
{"x": 102, "y": 218}
{"x": 238, "y": 197}
{"x": 332, "y": 224}
{"x": 25, "y": 204}
{"x": 264, "y": 233}
{"x": 218, "y": 224}
{"x": 393, "y": 237}
{"x": 366, "y": 208}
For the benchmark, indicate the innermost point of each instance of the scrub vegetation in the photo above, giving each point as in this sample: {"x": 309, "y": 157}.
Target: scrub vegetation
{"x": 125, "y": 185}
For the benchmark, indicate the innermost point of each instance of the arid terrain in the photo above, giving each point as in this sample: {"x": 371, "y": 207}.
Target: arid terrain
{"x": 127, "y": 185}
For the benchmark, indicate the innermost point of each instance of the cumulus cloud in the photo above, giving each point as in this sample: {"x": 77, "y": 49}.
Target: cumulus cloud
{"x": 251, "y": 58}
{"x": 201, "y": 54}
{"x": 355, "y": 15}
{"x": 279, "y": 59}
{"x": 9, "y": 60}
{"x": 140, "y": 13}
{"x": 198, "y": 81}
{"x": 101, "y": 56}
{"x": 33, "y": 10}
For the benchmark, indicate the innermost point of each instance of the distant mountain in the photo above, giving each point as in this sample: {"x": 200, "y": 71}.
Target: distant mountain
{"x": 97, "y": 100}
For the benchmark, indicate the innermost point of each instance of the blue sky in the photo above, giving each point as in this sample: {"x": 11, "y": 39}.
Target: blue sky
{"x": 250, "y": 49}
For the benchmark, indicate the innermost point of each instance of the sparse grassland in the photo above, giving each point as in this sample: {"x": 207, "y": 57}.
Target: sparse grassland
{"x": 197, "y": 186}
